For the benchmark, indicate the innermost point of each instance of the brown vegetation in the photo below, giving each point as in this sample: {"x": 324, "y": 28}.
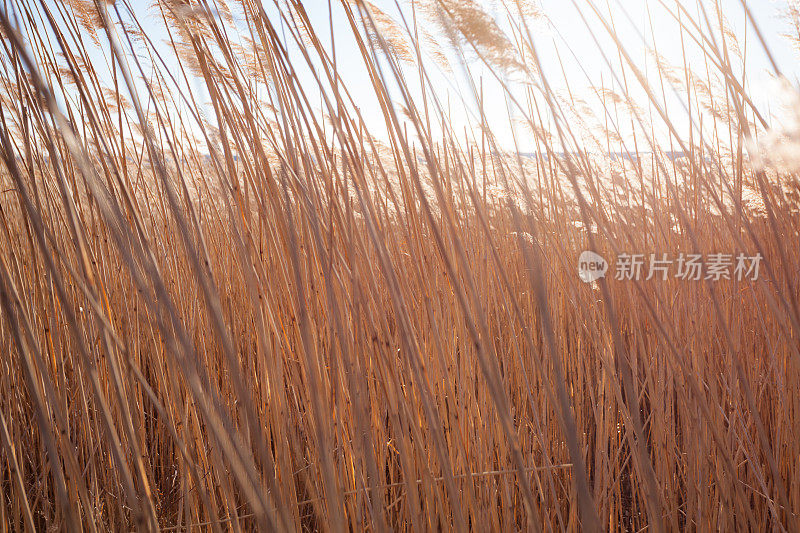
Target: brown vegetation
{"x": 251, "y": 314}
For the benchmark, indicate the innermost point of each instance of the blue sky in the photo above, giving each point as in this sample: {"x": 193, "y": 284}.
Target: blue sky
{"x": 567, "y": 34}
{"x": 572, "y": 59}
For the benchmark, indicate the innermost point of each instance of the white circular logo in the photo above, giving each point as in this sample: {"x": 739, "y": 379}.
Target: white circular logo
{"x": 591, "y": 266}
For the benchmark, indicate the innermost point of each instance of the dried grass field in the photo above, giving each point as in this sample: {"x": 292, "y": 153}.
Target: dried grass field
{"x": 230, "y": 302}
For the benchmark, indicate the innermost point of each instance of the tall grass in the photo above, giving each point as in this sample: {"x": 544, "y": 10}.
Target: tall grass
{"x": 226, "y": 304}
